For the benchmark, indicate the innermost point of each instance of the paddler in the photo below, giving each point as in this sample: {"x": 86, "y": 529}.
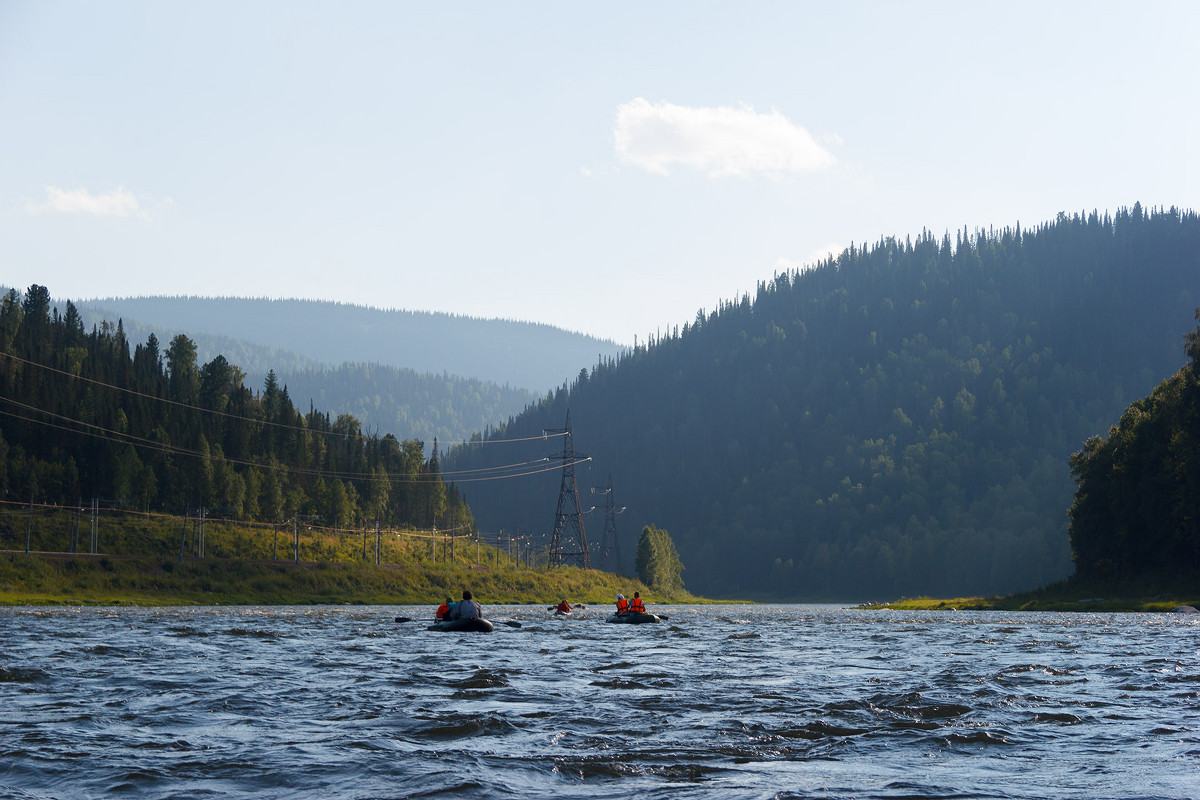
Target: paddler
{"x": 636, "y": 605}
{"x": 443, "y": 609}
{"x": 467, "y": 608}
{"x": 622, "y": 604}
{"x": 563, "y": 607}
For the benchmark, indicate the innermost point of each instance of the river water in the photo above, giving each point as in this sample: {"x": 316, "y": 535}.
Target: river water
{"x": 716, "y": 702}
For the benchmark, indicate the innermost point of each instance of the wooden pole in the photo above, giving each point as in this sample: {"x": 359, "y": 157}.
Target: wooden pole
{"x": 183, "y": 536}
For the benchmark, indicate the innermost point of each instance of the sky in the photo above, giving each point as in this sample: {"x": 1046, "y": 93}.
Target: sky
{"x": 607, "y": 168}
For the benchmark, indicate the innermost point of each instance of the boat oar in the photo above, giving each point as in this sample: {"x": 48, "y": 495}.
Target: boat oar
{"x": 512, "y": 623}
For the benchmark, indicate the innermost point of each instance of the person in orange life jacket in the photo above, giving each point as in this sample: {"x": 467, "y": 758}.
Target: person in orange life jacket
{"x": 443, "y": 609}
{"x": 622, "y": 604}
{"x": 564, "y": 607}
{"x": 637, "y": 606}
{"x": 467, "y": 608}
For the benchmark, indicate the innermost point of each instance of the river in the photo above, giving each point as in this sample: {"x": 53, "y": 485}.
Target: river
{"x": 715, "y": 702}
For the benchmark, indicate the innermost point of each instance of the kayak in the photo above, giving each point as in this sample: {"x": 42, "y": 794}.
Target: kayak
{"x": 632, "y": 618}
{"x": 562, "y": 615}
{"x": 473, "y": 625}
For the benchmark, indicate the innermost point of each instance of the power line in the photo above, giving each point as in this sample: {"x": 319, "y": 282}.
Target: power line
{"x": 237, "y": 417}
{"x": 110, "y": 435}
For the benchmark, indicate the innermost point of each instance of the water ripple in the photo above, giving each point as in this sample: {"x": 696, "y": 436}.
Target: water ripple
{"x": 749, "y": 702}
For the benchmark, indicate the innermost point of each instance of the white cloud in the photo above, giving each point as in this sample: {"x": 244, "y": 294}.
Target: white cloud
{"x": 119, "y": 203}
{"x": 721, "y": 141}
{"x": 787, "y": 264}
{"x": 585, "y": 172}
{"x": 831, "y": 250}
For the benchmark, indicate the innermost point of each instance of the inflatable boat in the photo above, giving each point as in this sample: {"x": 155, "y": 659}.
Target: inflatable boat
{"x": 472, "y": 625}
{"x": 632, "y": 618}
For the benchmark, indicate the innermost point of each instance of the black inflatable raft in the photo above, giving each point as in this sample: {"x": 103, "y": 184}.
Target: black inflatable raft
{"x": 632, "y": 618}
{"x": 473, "y": 625}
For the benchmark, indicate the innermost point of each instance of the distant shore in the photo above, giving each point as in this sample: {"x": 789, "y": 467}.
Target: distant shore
{"x": 1059, "y": 598}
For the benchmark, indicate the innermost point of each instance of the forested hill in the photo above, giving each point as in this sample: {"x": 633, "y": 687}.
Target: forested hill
{"x": 383, "y": 398}
{"x": 897, "y": 421}
{"x": 91, "y": 415}
{"x": 1134, "y": 517}
{"x": 526, "y": 355}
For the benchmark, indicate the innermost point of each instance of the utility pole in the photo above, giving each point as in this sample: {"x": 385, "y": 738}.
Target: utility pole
{"x": 75, "y": 526}
{"x": 29, "y": 524}
{"x": 94, "y": 544}
{"x": 183, "y": 535}
{"x": 568, "y": 543}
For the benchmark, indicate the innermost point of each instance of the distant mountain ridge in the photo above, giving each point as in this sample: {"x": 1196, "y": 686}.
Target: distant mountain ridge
{"x": 527, "y": 355}
{"x": 412, "y": 374}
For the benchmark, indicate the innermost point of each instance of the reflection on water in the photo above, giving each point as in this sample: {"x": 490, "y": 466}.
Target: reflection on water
{"x": 716, "y": 702}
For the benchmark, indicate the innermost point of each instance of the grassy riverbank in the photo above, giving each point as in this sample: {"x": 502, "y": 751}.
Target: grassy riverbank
{"x": 1113, "y": 596}
{"x": 272, "y": 565}
{"x": 110, "y": 580}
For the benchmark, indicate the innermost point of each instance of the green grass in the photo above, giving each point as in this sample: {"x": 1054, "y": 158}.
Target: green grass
{"x": 1147, "y": 595}
{"x": 105, "y": 580}
{"x": 253, "y": 565}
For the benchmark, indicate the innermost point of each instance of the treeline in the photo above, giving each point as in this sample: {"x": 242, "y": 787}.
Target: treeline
{"x": 1136, "y": 516}
{"x": 83, "y": 417}
{"x": 381, "y": 395}
{"x": 898, "y": 420}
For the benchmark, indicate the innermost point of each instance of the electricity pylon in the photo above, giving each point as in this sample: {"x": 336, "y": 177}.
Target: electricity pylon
{"x": 568, "y": 545}
{"x": 610, "y": 545}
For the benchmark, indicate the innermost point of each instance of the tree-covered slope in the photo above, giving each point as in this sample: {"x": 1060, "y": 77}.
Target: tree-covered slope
{"x": 408, "y": 404}
{"x": 505, "y": 352}
{"x": 1136, "y": 516}
{"x": 383, "y": 397}
{"x": 82, "y": 417}
{"x": 895, "y": 421}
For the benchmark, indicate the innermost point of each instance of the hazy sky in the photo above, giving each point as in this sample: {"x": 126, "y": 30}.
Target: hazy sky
{"x": 608, "y": 168}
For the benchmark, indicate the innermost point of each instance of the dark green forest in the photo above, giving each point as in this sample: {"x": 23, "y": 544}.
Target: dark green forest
{"x": 1136, "y": 514}
{"x": 84, "y": 416}
{"x": 896, "y": 421}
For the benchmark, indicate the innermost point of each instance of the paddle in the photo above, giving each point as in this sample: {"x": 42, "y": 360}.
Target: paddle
{"x": 512, "y": 623}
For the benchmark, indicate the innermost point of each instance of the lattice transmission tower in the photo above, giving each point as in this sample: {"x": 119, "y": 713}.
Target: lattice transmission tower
{"x": 610, "y": 544}
{"x": 569, "y": 545}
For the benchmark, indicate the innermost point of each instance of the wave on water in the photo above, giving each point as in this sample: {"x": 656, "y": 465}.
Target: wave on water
{"x": 748, "y": 703}
{"x": 22, "y": 675}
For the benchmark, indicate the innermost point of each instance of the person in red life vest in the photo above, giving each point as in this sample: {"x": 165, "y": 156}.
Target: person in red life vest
{"x": 636, "y": 605}
{"x": 564, "y": 607}
{"x": 622, "y": 604}
{"x": 443, "y": 609}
